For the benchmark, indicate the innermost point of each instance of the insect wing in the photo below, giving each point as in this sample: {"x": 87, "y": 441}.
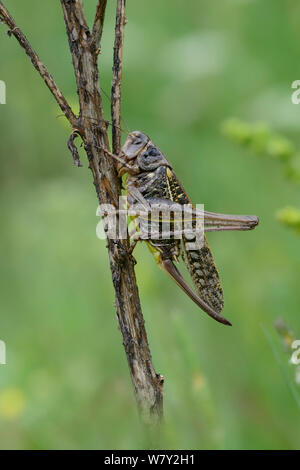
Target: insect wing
{"x": 197, "y": 255}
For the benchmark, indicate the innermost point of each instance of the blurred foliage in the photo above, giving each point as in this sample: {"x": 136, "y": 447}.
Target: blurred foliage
{"x": 66, "y": 382}
{"x": 259, "y": 138}
{"x": 288, "y": 342}
{"x": 290, "y": 216}
{"x": 287, "y": 372}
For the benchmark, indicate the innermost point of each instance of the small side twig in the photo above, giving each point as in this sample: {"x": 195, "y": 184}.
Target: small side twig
{"x": 98, "y": 25}
{"x": 116, "y": 86}
{"x": 14, "y": 30}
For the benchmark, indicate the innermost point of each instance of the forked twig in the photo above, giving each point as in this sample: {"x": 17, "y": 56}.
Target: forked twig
{"x": 91, "y": 126}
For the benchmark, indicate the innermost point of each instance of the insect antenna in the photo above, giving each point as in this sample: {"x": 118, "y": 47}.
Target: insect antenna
{"x": 97, "y": 120}
{"x": 127, "y": 132}
{"x": 112, "y": 155}
{"x": 107, "y": 122}
{"x": 109, "y": 99}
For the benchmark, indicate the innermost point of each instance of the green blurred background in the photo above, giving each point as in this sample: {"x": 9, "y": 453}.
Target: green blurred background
{"x": 188, "y": 66}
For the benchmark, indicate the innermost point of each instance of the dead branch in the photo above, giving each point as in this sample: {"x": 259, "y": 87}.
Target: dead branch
{"x": 92, "y": 128}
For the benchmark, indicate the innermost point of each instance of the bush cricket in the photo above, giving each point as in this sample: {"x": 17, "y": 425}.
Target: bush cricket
{"x": 151, "y": 183}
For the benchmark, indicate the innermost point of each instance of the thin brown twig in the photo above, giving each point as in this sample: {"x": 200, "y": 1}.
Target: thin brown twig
{"x": 98, "y": 25}
{"x": 14, "y": 30}
{"x": 78, "y": 37}
{"x": 116, "y": 86}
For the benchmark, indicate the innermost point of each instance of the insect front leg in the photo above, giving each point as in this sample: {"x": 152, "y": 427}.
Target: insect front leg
{"x": 134, "y": 232}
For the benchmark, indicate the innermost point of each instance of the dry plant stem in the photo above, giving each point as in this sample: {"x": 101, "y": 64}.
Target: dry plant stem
{"x": 147, "y": 384}
{"x": 116, "y": 86}
{"x": 98, "y": 24}
{"x": 92, "y": 128}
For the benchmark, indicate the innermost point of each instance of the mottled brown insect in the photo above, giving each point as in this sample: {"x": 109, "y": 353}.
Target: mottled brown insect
{"x": 151, "y": 182}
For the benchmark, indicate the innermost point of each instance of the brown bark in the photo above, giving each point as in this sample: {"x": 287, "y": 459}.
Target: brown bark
{"x": 92, "y": 127}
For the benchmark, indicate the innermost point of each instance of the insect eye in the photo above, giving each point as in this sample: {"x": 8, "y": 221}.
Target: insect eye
{"x": 153, "y": 152}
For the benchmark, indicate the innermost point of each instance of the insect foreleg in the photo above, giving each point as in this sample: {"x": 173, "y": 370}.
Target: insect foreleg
{"x": 136, "y": 194}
